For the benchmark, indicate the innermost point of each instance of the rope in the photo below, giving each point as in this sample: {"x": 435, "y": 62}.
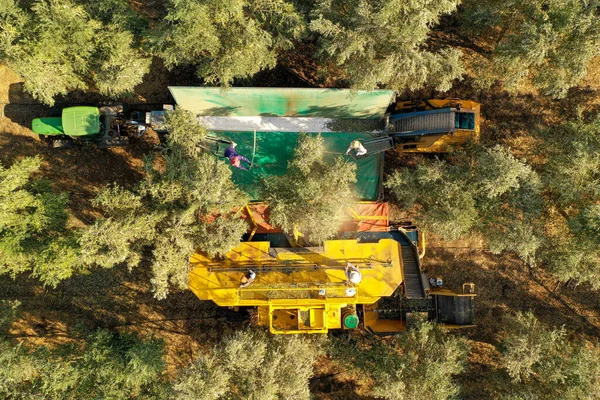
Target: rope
{"x": 253, "y": 152}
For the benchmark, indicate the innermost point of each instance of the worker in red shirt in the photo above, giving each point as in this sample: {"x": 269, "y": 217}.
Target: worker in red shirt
{"x": 235, "y": 158}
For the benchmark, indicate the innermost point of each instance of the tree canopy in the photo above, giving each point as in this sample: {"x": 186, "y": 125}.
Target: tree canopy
{"x": 227, "y": 39}
{"x": 376, "y": 43}
{"x": 424, "y": 359}
{"x": 56, "y": 46}
{"x": 484, "y": 190}
{"x": 546, "y": 363}
{"x": 252, "y": 364}
{"x": 547, "y": 43}
{"x": 313, "y": 196}
{"x": 169, "y": 212}
{"x": 570, "y": 174}
{"x": 101, "y": 364}
{"x": 33, "y": 232}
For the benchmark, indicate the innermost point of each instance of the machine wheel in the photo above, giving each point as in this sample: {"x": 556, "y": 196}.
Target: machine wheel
{"x": 118, "y": 141}
{"x": 62, "y": 143}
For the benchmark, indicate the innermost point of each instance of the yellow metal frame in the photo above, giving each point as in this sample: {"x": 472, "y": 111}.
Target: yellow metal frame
{"x": 307, "y": 281}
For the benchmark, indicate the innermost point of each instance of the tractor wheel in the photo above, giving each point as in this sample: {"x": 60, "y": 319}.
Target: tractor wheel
{"x": 62, "y": 143}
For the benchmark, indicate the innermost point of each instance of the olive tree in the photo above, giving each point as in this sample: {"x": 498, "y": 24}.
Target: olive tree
{"x": 425, "y": 359}
{"x": 374, "y": 43}
{"x": 171, "y": 212}
{"x": 227, "y": 39}
{"x": 34, "y": 236}
{"x": 314, "y": 194}
{"x": 229, "y": 370}
{"x": 547, "y": 43}
{"x": 103, "y": 365}
{"x": 484, "y": 190}
{"x": 569, "y": 171}
{"x": 56, "y": 46}
{"x": 545, "y": 363}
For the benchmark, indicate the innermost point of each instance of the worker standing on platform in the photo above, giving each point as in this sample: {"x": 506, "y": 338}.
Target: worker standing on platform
{"x": 247, "y": 279}
{"x": 235, "y": 158}
{"x": 352, "y": 273}
{"x": 359, "y": 149}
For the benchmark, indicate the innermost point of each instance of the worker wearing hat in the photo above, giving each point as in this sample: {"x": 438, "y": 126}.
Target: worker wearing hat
{"x": 359, "y": 149}
{"x": 235, "y": 158}
{"x": 353, "y": 274}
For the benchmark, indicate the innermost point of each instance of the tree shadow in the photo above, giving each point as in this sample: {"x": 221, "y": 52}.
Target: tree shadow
{"x": 78, "y": 171}
{"x": 504, "y": 285}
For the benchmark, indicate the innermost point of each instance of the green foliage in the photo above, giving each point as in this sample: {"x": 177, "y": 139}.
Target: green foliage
{"x": 229, "y": 370}
{"x": 8, "y": 313}
{"x": 570, "y": 176}
{"x": 56, "y": 46}
{"x": 484, "y": 190}
{"x": 227, "y": 39}
{"x": 117, "y": 66}
{"x": 384, "y": 43}
{"x": 52, "y": 50}
{"x": 311, "y": 192}
{"x": 182, "y": 206}
{"x": 423, "y": 360}
{"x": 549, "y": 43}
{"x": 17, "y": 370}
{"x": 33, "y": 233}
{"x": 106, "y": 366}
{"x": 118, "y": 13}
{"x": 544, "y": 363}
{"x": 572, "y": 152}
{"x": 438, "y": 190}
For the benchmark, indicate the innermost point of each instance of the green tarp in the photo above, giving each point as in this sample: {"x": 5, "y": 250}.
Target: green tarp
{"x": 274, "y": 149}
{"x": 283, "y": 102}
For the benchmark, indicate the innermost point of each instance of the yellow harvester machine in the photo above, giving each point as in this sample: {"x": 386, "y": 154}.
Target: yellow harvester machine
{"x": 434, "y": 126}
{"x": 306, "y": 289}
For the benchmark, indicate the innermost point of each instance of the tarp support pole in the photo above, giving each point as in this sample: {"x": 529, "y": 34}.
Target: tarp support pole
{"x": 253, "y": 151}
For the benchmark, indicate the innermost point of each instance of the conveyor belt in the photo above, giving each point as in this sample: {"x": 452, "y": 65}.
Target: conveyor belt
{"x": 443, "y": 119}
{"x": 413, "y": 286}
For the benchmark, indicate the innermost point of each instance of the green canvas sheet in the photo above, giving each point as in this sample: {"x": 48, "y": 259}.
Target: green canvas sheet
{"x": 275, "y": 149}
{"x": 283, "y": 102}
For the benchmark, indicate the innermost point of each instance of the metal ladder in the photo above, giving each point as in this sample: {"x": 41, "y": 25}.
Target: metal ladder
{"x": 378, "y": 145}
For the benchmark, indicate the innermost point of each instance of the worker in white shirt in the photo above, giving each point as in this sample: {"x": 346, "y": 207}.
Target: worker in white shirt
{"x": 352, "y": 273}
{"x": 359, "y": 149}
{"x": 247, "y": 279}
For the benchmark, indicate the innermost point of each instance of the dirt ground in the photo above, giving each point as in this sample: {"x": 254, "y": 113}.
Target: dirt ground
{"x": 121, "y": 299}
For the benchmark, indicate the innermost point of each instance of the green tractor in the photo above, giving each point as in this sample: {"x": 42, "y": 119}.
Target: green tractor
{"x": 104, "y": 127}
